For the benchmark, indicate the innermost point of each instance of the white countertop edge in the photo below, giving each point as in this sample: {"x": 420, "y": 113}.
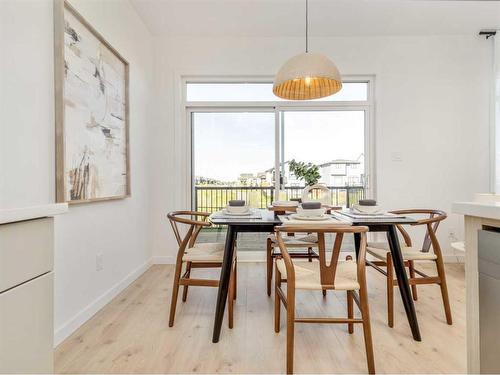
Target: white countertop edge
{"x": 489, "y": 210}
{"x": 12, "y": 215}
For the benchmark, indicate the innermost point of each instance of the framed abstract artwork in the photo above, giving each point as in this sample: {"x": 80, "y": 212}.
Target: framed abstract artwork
{"x": 92, "y": 112}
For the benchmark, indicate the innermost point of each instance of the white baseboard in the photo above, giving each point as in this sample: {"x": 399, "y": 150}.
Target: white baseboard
{"x": 163, "y": 259}
{"x": 66, "y": 329}
{"x": 243, "y": 256}
{"x": 450, "y": 258}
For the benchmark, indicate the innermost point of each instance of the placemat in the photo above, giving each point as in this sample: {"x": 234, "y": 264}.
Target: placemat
{"x": 221, "y": 215}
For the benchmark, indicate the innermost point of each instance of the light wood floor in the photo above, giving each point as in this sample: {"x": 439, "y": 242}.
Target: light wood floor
{"x": 131, "y": 334}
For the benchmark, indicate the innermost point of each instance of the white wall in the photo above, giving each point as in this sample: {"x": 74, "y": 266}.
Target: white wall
{"x": 495, "y": 116}
{"x": 26, "y": 103}
{"x": 117, "y": 229}
{"x": 431, "y": 107}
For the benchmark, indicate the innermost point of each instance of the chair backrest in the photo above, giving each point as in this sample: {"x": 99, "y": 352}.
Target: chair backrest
{"x": 194, "y": 224}
{"x": 327, "y": 270}
{"x": 431, "y": 223}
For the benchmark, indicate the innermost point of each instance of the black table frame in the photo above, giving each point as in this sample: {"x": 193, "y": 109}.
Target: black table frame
{"x": 233, "y": 228}
{"x": 231, "y": 236}
{"x": 399, "y": 268}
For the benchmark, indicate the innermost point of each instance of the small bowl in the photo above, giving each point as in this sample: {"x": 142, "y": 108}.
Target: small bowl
{"x": 236, "y": 203}
{"x": 310, "y": 212}
{"x": 311, "y": 205}
{"x": 237, "y": 209}
{"x": 367, "y": 202}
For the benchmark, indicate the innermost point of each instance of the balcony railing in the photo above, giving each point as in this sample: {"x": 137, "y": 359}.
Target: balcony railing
{"x": 214, "y": 198}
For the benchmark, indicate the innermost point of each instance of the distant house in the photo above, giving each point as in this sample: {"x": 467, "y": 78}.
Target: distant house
{"x": 259, "y": 179}
{"x": 343, "y": 172}
{"x": 337, "y": 172}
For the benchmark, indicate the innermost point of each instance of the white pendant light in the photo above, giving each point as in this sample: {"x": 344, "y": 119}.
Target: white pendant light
{"x": 307, "y": 76}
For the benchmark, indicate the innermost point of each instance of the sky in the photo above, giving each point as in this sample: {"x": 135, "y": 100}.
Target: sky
{"x": 228, "y": 144}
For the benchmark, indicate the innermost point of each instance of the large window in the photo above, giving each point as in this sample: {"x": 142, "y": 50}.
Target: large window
{"x": 243, "y": 139}
{"x": 262, "y": 92}
{"x": 334, "y": 140}
{"x": 232, "y": 152}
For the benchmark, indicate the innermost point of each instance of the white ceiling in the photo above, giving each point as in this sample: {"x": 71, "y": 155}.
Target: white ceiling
{"x": 327, "y": 17}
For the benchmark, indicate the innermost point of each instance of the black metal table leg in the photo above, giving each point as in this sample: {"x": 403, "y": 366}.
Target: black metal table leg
{"x": 224, "y": 281}
{"x": 404, "y": 287}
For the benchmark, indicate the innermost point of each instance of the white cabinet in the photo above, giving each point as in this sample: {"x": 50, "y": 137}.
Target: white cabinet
{"x": 26, "y": 251}
{"x": 27, "y": 289}
{"x": 27, "y": 328}
{"x": 489, "y": 299}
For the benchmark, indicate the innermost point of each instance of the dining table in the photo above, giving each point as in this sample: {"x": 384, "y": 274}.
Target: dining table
{"x": 264, "y": 221}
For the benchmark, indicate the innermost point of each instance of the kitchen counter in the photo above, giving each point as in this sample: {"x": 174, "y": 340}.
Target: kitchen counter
{"x": 478, "y": 216}
{"x": 489, "y": 210}
{"x": 13, "y": 215}
{"x": 27, "y": 289}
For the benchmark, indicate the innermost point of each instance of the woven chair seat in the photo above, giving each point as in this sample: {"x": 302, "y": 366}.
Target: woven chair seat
{"x": 204, "y": 252}
{"x": 380, "y": 250}
{"x": 308, "y": 276}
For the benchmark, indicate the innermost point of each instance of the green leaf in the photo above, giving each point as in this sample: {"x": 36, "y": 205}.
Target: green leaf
{"x": 308, "y": 172}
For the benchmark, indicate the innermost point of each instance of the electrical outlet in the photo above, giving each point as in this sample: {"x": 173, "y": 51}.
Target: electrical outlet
{"x": 99, "y": 262}
{"x": 396, "y": 156}
{"x": 452, "y": 236}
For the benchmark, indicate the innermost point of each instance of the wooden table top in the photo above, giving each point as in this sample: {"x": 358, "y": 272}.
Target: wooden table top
{"x": 271, "y": 218}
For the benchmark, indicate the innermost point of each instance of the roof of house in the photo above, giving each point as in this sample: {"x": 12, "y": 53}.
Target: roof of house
{"x": 339, "y": 161}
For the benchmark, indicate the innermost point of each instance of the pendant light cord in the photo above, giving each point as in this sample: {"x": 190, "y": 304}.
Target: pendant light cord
{"x": 307, "y": 26}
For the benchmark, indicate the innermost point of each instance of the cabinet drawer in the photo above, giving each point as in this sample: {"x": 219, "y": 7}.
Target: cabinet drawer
{"x": 26, "y": 251}
{"x": 27, "y": 328}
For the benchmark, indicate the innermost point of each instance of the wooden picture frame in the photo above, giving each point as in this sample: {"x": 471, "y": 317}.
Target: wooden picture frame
{"x": 106, "y": 137}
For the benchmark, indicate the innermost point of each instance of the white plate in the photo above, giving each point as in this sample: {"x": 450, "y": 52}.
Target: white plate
{"x": 366, "y": 210}
{"x": 286, "y": 203}
{"x": 315, "y": 212}
{"x": 310, "y": 218}
{"x": 247, "y": 213}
